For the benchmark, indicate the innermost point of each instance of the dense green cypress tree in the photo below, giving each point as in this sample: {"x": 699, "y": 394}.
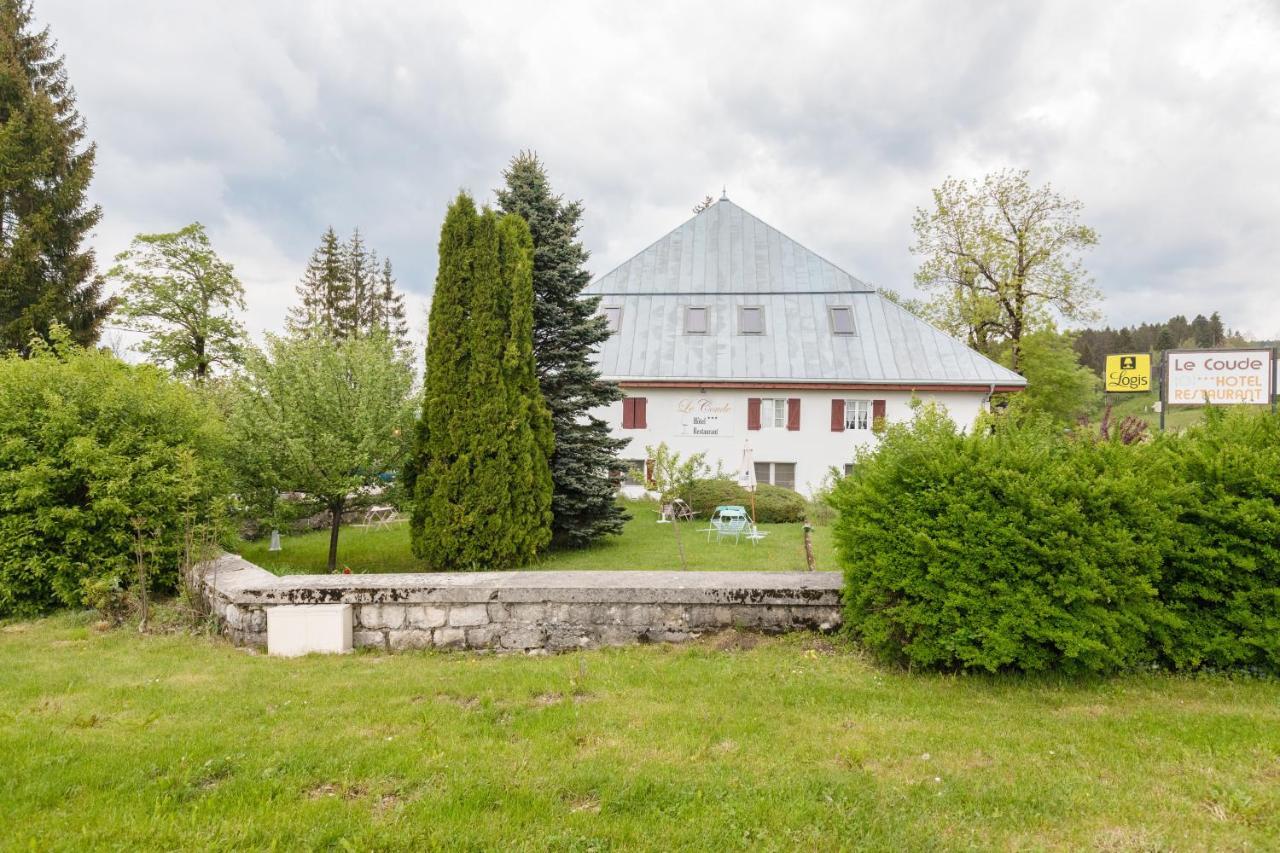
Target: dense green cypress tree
{"x": 566, "y": 330}
{"x": 534, "y": 437}
{"x": 45, "y": 170}
{"x": 479, "y": 475}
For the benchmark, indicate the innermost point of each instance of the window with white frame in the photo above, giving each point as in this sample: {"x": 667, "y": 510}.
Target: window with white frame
{"x": 841, "y": 319}
{"x": 773, "y": 413}
{"x": 695, "y": 320}
{"x": 750, "y": 320}
{"x": 777, "y": 474}
{"x": 857, "y": 414}
{"x": 612, "y": 316}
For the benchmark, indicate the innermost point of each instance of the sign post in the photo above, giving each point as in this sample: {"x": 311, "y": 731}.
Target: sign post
{"x": 1218, "y": 377}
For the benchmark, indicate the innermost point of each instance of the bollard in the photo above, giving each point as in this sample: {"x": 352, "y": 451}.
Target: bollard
{"x": 808, "y": 544}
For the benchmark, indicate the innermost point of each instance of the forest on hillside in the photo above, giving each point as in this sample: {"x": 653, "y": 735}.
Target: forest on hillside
{"x": 1094, "y": 345}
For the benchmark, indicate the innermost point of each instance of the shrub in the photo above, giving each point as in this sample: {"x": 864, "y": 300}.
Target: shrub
{"x": 92, "y": 450}
{"x": 1222, "y": 583}
{"x": 705, "y": 495}
{"x": 774, "y": 504}
{"x": 1011, "y": 547}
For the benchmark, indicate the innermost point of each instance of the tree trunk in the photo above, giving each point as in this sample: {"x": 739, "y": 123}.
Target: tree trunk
{"x": 335, "y": 511}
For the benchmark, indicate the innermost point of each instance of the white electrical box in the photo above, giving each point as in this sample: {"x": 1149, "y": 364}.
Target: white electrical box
{"x": 294, "y": 630}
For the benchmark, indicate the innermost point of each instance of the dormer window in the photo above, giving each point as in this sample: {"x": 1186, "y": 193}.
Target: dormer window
{"x": 750, "y": 320}
{"x": 841, "y": 320}
{"x": 695, "y": 320}
{"x": 612, "y": 316}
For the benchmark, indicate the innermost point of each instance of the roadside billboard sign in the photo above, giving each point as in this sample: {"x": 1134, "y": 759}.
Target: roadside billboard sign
{"x": 1128, "y": 373}
{"x": 1221, "y": 377}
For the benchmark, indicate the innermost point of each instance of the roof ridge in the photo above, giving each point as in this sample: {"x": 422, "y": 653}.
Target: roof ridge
{"x": 867, "y": 288}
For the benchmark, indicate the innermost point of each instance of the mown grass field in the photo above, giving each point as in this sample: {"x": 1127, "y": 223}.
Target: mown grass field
{"x": 112, "y": 740}
{"x": 644, "y": 544}
{"x": 1140, "y": 406}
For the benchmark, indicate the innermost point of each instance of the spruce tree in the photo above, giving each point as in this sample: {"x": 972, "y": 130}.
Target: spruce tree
{"x": 480, "y": 476}
{"x": 347, "y": 294}
{"x": 390, "y": 303}
{"x": 566, "y": 330}
{"x": 360, "y": 313}
{"x": 45, "y": 169}
{"x": 324, "y": 292}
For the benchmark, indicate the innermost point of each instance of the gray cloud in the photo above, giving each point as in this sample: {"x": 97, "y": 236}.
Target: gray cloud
{"x": 271, "y": 121}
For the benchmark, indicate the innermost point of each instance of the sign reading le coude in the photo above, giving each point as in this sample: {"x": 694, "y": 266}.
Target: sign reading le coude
{"x": 1129, "y": 373}
{"x": 704, "y": 417}
{"x": 1221, "y": 377}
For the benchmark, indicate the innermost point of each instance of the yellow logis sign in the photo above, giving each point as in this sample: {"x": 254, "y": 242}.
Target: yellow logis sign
{"x": 1129, "y": 373}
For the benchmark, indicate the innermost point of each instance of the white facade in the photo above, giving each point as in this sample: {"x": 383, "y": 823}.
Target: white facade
{"x": 715, "y": 422}
{"x": 725, "y": 331}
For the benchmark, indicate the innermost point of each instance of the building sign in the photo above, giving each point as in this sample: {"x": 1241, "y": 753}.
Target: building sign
{"x": 1129, "y": 373}
{"x": 1223, "y": 377}
{"x": 703, "y": 417}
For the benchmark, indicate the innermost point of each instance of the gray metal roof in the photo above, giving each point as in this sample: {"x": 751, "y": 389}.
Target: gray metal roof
{"x": 725, "y": 258}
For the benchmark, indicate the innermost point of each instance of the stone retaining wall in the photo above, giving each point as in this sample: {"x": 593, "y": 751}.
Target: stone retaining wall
{"x": 529, "y": 610}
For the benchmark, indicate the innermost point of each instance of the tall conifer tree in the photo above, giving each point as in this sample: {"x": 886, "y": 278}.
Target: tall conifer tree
{"x": 324, "y": 292}
{"x": 390, "y": 303}
{"x": 45, "y": 169}
{"x": 480, "y": 476}
{"x": 566, "y": 330}
{"x": 347, "y": 294}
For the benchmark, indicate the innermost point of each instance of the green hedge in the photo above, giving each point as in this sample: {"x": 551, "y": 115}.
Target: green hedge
{"x": 1222, "y": 576}
{"x": 1016, "y": 547}
{"x": 774, "y": 504}
{"x": 91, "y": 449}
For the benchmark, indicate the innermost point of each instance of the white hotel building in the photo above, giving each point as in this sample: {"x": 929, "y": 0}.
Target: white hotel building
{"x": 728, "y": 331}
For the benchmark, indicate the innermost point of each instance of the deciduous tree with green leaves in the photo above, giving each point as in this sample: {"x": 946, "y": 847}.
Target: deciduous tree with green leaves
{"x": 1058, "y": 385}
{"x": 46, "y": 273}
{"x": 97, "y": 458}
{"x": 480, "y": 475}
{"x": 180, "y": 294}
{"x": 325, "y": 417}
{"x": 1002, "y": 257}
{"x": 566, "y": 330}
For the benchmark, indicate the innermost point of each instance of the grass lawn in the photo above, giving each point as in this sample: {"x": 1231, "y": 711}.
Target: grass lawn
{"x": 115, "y": 740}
{"x": 1139, "y": 405}
{"x": 644, "y": 544}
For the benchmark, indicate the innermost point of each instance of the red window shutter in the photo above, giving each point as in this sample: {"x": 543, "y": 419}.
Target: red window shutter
{"x": 648, "y": 472}
{"x": 641, "y": 415}
{"x": 628, "y": 413}
{"x": 877, "y": 413}
{"x": 793, "y": 413}
{"x": 753, "y": 413}
{"x": 837, "y": 415}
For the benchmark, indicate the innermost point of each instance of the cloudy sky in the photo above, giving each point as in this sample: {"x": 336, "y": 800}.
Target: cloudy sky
{"x": 269, "y": 121}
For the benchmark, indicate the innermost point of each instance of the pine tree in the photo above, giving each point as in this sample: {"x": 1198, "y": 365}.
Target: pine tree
{"x": 45, "y": 170}
{"x": 324, "y": 292}
{"x": 480, "y": 476}
{"x": 565, "y": 332}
